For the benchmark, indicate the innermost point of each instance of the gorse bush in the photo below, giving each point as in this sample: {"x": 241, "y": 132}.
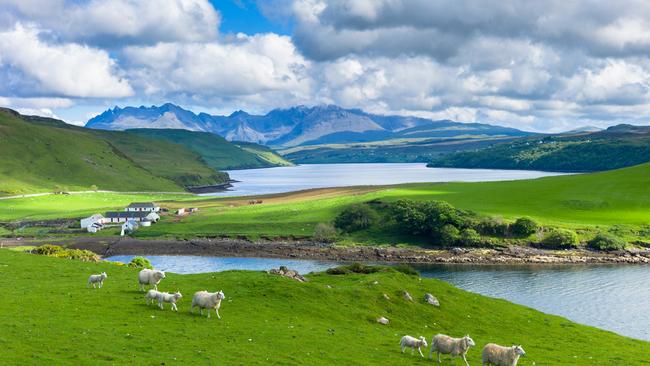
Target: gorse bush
{"x": 47, "y": 249}
{"x": 140, "y": 262}
{"x": 560, "y": 239}
{"x": 604, "y": 241}
{"x": 325, "y": 233}
{"x": 59, "y": 252}
{"x": 356, "y": 217}
{"x": 524, "y": 226}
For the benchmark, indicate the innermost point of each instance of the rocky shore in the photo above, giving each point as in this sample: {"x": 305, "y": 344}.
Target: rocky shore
{"x": 109, "y": 246}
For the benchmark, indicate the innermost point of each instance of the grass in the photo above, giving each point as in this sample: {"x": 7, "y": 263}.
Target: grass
{"x": 269, "y": 320}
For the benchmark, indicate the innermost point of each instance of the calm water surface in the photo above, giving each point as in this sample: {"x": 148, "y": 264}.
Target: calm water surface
{"x": 287, "y": 179}
{"x": 615, "y": 298}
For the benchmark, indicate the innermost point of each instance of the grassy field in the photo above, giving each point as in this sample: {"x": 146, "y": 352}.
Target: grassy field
{"x": 53, "y": 318}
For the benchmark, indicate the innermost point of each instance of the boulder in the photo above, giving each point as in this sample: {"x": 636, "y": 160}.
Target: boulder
{"x": 383, "y": 320}
{"x": 286, "y": 272}
{"x": 408, "y": 296}
{"x": 430, "y": 299}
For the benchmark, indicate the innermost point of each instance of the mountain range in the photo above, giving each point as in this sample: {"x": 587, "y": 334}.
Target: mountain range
{"x": 295, "y": 126}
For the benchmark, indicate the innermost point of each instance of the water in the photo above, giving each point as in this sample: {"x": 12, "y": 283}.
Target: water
{"x": 615, "y": 298}
{"x": 287, "y": 179}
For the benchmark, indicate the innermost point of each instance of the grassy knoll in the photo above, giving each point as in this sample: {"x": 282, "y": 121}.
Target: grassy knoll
{"x": 52, "y": 318}
{"x": 587, "y": 201}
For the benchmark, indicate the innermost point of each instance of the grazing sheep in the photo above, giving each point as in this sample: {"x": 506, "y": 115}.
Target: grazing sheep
{"x": 97, "y": 279}
{"x": 150, "y": 277}
{"x": 151, "y": 296}
{"x": 408, "y": 341}
{"x": 207, "y": 300}
{"x": 170, "y": 298}
{"x": 451, "y": 346}
{"x": 496, "y": 355}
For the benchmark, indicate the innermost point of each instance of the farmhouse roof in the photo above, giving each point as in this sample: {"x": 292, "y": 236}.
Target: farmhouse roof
{"x": 142, "y": 205}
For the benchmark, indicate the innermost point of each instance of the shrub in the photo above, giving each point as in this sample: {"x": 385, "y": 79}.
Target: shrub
{"x": 604, "y": 241}
{"x": 409, "y": 215}
{"x": 140, "y": 262}
{"x": 355, "y": 267}
{"x": 79, "y": 254}
{"x": 492, "y": 226}
{"x": 406, "y": 269}
{"x": 524, "y": 226}
{"x": 449, "y": 234}
{"x": 47, "y": 249}
{"x": 469, "y": 237}
{"x": 325, "y": 233}
{"x": 560, "y": 238}
{"x": 356, "y": 217}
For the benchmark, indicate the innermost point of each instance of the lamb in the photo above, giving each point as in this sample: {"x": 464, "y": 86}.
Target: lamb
{"x": 150, "y": 277}
{"x": 496, "y": 355}
{"x": 451, "y": 346}
{"x": 151, "y": 296}
{"x": 170, "y": 298}
{"x": 207, "y": 300}
{"x": 97, "y": 279}
{"x": 408, "y": 341}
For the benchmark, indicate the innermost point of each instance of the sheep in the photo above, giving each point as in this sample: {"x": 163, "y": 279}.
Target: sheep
{"x": 496, "y": 355}
{"x": 408, "y": 341}
{"x": 151, "y": 296}
{"x": 150, "y": 277}
{"x": 451, "y": 346}
{"x": 170, "y": 298}
{"x": 207, "y": 300}
{"x": 97, "y": 278}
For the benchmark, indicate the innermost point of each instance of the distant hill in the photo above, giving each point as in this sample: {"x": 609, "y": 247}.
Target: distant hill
{"x": 616, "y": 147}
{"x": 294, "y": 126}
{"x": 215, "y": 150}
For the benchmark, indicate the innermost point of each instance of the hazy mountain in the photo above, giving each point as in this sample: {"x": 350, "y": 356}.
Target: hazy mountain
{"x": 294, "y": 126}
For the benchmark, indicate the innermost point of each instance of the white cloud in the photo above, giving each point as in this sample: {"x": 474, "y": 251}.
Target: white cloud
{"x": 69, "y": 69}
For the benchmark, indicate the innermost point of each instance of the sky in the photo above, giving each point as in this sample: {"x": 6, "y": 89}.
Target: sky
{"x": 545, "y": 66}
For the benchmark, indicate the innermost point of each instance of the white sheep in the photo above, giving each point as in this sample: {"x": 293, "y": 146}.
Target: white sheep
{"x": 170, "y": 298}
{"x": 496, "y": 355}
{"x": 408, "y": 341}
{"x": 207, "y": 300}
{"x": 97, "y": 279}
{"x": 451, "y": 346}
{"x": 152, "y": 295}
{"x": 150, "y": 277}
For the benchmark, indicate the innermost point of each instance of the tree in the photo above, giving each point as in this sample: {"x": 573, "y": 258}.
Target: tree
{"x": 524, "y": 226}
{"x": 355, "y": 218}
{"x": 449, "y": 234}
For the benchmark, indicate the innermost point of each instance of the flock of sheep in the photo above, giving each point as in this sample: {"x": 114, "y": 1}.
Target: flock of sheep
{"x": 493, "y": 354}
{"x": 152, "y": 277}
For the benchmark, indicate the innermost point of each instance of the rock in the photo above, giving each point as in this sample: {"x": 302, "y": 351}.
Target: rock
{"x": 383, "y": 321}
{"x": 431, "y": 300}
{"x": 286, "y": 272}
{"x": 408, "y": 296}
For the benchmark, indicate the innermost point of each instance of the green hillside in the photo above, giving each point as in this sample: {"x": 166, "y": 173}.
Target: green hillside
{"x": 331, "y": 320}
{"x": 264, "y": 153}
{"x": 617, "y": 147}
{"x": 216, "y": 151}
{"x": 41, "y": 158}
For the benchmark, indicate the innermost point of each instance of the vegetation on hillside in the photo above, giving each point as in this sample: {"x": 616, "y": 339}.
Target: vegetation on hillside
{"x": 332, "y": 320}
{"x": 215, "y": 150}
{"x": 606, "y": 150}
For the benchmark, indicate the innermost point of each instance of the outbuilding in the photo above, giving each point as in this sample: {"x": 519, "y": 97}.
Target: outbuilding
{"x": 88, "y": 221}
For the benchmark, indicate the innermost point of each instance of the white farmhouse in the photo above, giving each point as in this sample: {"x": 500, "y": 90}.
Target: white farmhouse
{"x": 129, "y": 227}
{"x": 142, "y": 207}
{"x": 124, "y": 216}
{"x": 88, "y": 221}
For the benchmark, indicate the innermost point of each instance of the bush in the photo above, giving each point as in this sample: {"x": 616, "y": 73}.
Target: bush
{"x": 605, "y": 241}
{"x": 449, "y": 234}
{"x": 47, "y": 249}
{"x": 325, "y": 233}
{"x": 355, "y": 218}
{"x": 492, "y": 226}
{"x": 524, "y": 227}
{"x": 406, "y": 269}
{"x": 140, "y": 262}
{"x": 560, "y": 238}
{"x": 355, "y": 267}
{"x": 469, "y": 237}
{"x": 409, "y": 215}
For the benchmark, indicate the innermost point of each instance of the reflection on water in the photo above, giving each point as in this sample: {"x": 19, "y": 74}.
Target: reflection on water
{"x": 294, "y": 178}
{"x": 616, "y": 298}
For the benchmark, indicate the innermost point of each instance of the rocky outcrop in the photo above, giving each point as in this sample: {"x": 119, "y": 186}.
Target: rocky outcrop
{"x": 432, "y": 300}
{"x": 383, "y": 321}
{"x": 408, "y": 296}
{"x": 286, "y": 272}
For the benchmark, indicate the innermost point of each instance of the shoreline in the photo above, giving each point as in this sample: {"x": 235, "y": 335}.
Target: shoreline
{"x": 227, "y": 247}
